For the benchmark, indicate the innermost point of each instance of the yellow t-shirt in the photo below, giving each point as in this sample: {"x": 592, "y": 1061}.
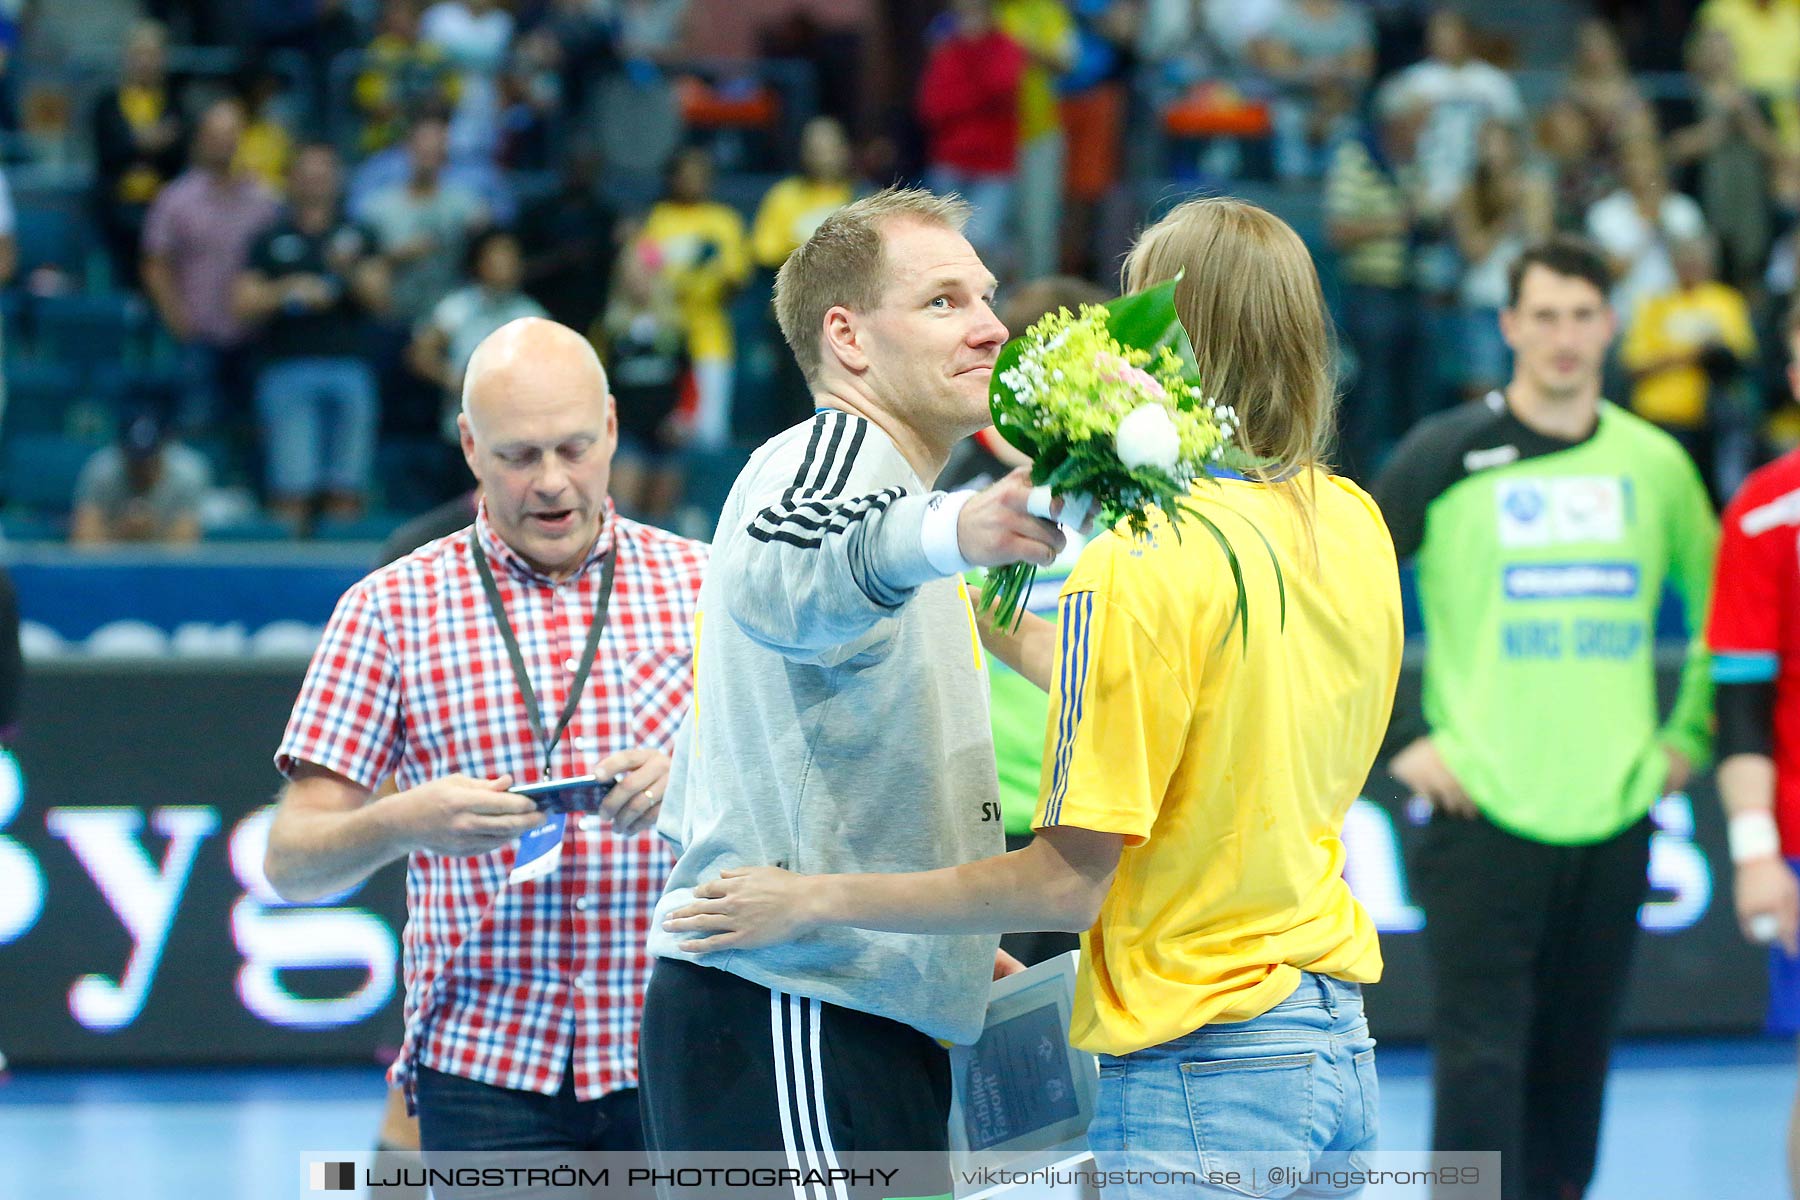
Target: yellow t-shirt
{"x": 142, "y": 108}
{"x": 1044, "y": 27}
{"x": 707, "y": 257}
{"x": 789, "y": 213}
{"x": 1767, "y": 41}
{"x": 1681, "y": 321}
{"x": 264, "y": 152}
{"x": 1228, "y": 772}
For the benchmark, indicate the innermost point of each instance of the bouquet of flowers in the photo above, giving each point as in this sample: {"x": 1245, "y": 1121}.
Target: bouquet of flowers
{"x": 1110, "y": 407}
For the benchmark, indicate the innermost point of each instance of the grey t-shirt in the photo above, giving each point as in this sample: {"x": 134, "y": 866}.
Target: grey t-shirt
{"x": 840, "y": 722}
{"x": 176, "y": 494}
{"x": 446, "y": 216}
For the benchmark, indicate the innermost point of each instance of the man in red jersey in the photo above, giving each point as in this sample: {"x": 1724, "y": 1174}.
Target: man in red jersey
{"x": 1754, "y": 634}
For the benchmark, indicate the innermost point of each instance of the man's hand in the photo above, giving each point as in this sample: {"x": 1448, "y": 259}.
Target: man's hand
{"x": 1422, "y": 772}
{"x": 461, "y": 816}
{"x": 994, "y": 529}
{"x": 746, "y": 907}
{"x": 1766, "y": 887}
{"x": 1680, "y": 769}
{"x": 641, "y": 779}
{"x": 1005, "y": 964}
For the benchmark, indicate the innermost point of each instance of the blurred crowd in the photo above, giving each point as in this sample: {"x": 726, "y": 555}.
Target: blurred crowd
{"x": 300, "y": 218}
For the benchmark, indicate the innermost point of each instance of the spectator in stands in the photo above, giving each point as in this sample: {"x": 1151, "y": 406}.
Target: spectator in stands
{"x": 1206, "y": 36}
{"x": 1461, "y": 93}
{"x": 476, "y": 36}
{"x": 787, "y": 216}
{"x": 9, "y": 265}
{"x": 1766, "y": 36}
{"x": 1728, "y": 141}
{"x": 1688, "y": 350}
{"x": 146, "y": 488}
{"x": 140, "y": 138}
{"x": 571, "y": 238}
{"x": 1601, "y": 85}
{"x": 1094, "y": 97}
{"x": 1580, "y": 176}
{"x": 1046, "y": 32}
{"x": 794, "y": 207}
{"x": 1506, "y": 207}
{"x": 530, "y": 98}
{"x": 443, "y": 344}
{"x": 969, "y": 105}
{"x": 317, "y": 32}
{"x": 401, "y": 73}
{"x": 314, "y": 281}
{"x": 1320, "y": 54}
{"x": 1635, "y": 225}
{"x": 478, "y": 173}
{"x": 196, "y": 241}
{"x": 707, "y": 255}
{"x": 1370, "y": 194}
{"x": 266, "y": 151}
{"x": 424, "y": 223}
{"x": 645, "y": 349}
{"x": 635, "y": 110}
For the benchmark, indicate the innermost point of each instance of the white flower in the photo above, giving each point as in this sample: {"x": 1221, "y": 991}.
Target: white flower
{"x": 1147, "y": 438}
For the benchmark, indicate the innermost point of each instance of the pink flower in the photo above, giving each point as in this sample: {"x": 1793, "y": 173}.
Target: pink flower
{"x": 1114, "y": 369}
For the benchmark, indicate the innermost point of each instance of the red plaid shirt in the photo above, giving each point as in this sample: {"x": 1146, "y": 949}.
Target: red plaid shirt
{"x": 509, "y": 985}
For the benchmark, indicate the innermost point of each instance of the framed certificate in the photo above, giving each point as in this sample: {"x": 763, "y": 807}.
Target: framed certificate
{"x": 1022, "y": 1096}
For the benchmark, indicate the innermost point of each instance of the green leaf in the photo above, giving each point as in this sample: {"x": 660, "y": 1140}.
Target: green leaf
{"x": 1242, "y": 613}
{"x": 1000, "y": 397}
{"x": 1280, "y": 583}
{"x": 1147, "y": 320}
{"x": 1003, "y": 593}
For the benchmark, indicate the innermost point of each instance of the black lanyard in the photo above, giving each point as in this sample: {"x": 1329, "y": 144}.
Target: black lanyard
{"x": 547, "y": 741}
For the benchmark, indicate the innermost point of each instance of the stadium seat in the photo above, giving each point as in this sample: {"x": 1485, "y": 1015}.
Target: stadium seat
{"x": 41, "y": 470}
{"x": 371, "y": 527}
{"x": 94, "y": 329}
{"x": 29, "y": 527}
{"x": 39, "y": 397}
{"x": 414, "y": 473}
{"x": 743, "y": 191}
{"x": 257, "y": 528}
{"x": 48, "y": 237}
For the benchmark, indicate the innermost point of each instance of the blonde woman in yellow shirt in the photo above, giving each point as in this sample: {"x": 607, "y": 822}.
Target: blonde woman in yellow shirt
{"x": 1191, "y": 811}
{"x": 794, "y": 207}
{"x": 707, "y": 258}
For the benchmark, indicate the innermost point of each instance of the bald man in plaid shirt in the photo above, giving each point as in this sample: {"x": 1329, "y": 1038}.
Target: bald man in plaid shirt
{"x": 523, "y": 988}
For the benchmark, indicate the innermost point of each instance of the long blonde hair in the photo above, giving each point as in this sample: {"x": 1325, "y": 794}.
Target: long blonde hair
{"x": 1250, "y": 301}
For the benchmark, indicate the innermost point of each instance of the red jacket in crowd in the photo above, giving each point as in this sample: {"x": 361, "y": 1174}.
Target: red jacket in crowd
{"x": 969, "y": 102}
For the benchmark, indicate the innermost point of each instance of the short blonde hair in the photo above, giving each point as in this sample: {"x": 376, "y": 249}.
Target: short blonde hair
{"x": 843, "y": 264}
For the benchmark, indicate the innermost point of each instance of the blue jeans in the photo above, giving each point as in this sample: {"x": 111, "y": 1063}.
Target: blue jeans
{"x": 458, "y": 1115}
{"x": 991, "y": 198}
{"x": 1282, "y": 1089}
{"x": 1487, "y": 360}
{"x": 318, "y": 419}
{"x": 1380, "y": 324}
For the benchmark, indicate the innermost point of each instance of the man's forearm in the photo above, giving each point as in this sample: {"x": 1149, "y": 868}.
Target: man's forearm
{"x": 315, "y": 854}
{"x": 161, "y": 287}
{"x": 1747, "y": 784}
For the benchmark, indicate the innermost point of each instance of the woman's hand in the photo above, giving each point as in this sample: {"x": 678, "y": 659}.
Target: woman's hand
{"x": 747, "y": 907}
